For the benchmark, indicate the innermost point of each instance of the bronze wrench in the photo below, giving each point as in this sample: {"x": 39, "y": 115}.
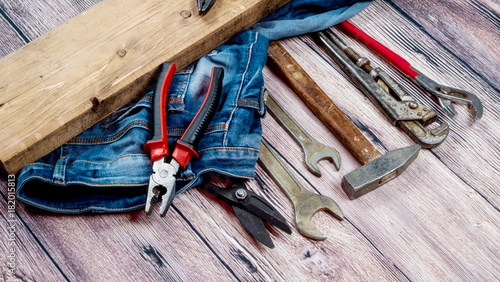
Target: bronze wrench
{"x": 305, "y": 203}
{"x": 314, "y": 151}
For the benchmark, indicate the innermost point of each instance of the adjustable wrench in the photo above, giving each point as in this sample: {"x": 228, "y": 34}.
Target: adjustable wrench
{"x": 305, "y": 203}
{"x": 314, "y": 151}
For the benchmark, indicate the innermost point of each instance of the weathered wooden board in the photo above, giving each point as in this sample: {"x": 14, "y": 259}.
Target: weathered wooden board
{"x": 29, "y": 258}
{"x": 401, "y": 218}
{"x": 78, "y": 73}
{"x": 439, "y": 221}
{"x": 471, "y": 150}
{"x": 464, "y": 36}
{"x": 9, "y": 39}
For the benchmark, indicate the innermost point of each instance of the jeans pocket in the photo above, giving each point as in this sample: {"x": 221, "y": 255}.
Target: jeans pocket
{"x": 178, "y": 89}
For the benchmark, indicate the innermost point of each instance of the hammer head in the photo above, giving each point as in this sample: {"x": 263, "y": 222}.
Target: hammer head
{"x": 379, "y": 171}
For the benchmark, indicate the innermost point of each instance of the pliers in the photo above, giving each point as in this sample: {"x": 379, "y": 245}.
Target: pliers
{"x": 204, "y": 6}
{"x": 250, "y": 209}
{"x": 162, "y": 181}
{"x": 444, "y": 94}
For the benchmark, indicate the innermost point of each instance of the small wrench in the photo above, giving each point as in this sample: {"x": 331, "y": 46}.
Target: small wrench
{"x": 305, "y": 203}
{"x": 314, "y": 151}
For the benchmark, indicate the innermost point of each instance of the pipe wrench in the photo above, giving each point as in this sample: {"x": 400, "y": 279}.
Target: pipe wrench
{"x": 397, "y": 105}
{"x": 444, "y": 94}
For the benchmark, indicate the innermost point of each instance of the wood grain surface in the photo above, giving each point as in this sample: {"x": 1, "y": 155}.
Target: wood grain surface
{"x": 81, "y": 71}
{"x": 438, "y": 221}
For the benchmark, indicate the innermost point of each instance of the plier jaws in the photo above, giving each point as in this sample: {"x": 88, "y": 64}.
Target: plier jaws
{"x": 162, "y": 182}
{"x": 162, "y": 185}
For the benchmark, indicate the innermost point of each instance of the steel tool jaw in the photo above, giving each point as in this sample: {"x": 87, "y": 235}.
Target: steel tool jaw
{"x": 204, "y": 6}
{"x": 445, "y": 95}
{"x": 162, "y": 185}
{"x": 310, "y": 205}
{"x": 260, "y": 207}
{"x": 251, "y": 210}
{"x": 254, "y": 225}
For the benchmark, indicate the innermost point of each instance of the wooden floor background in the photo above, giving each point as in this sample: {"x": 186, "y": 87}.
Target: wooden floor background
{"x": 439, "y": 221}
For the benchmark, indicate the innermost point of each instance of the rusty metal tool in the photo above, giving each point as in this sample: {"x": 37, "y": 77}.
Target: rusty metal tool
{"x": 305, "y": 203}
{"x": 444, "y": 94}
{"x": 377, "y": 169}
{"x": 314, "y": 151}
{"x": 397, "y": 105}
{"x": 204, "y": 6}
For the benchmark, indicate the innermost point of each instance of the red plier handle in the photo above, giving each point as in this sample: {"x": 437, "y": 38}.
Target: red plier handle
{"x": 185, "y": 147}
{"x": 157, "y": 146}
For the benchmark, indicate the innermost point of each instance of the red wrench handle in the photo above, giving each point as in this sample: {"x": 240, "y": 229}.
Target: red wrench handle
{"x": 392, "y": 57}
{"x": 157, "y": 146}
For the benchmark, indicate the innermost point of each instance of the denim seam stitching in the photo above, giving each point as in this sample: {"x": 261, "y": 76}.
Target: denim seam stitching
{"x": 248, "y": 103}
{"x": 185, "y": 84}
{"x": 35, "y": 204}
{"x": 112, "y": 138}
{"x": 82, "y": 182}
{"x": 250, "y": 48}
{"x": 38, "y": 163}
{"x": 63, "y": 159}
{"x": 115, "y": 160}
{"x": 230, "y": 149}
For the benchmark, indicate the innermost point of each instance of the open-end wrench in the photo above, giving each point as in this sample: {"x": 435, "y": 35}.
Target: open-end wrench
{"x": 314, "y": 151}
{"x": 305, "y": 203}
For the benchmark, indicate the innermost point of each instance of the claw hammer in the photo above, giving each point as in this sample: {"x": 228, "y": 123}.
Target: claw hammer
{"x": 376, "y": 169}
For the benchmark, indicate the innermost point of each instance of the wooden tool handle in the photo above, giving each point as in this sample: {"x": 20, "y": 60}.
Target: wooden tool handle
{"x": 317, "y": 100}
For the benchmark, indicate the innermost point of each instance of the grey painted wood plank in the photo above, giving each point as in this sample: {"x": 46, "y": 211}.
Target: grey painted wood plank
{"x": 469, "y": 29}
{"x": 438, "y": 221}
{"x": 20, "y": 250}
{"x": 411, "y": 219}
{"x": 34, "y": 18}
{"x": 130, "y": 247}
{"x": 9, "y": 38}
{"x": 471, "y": 150}
{"x": 344, "y": 255}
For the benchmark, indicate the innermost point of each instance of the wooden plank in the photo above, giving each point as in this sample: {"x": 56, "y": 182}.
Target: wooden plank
{"x": 429, "y": 222}
{"x": 34, "y": 18}
{"x": 346, "y": 254}
{"x": 26, "y": 249}
{"x": 470, "y": 30}
{"x": 106, "y": 247}
{"x": 437, "y": 221}
{"x": 78, "y": 73}
{"x": 9, "y": 38}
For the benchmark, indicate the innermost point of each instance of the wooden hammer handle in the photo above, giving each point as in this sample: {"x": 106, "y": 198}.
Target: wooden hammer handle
{"x": 317, "y": 100}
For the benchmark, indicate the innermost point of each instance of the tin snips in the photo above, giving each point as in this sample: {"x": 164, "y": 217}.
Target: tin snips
{"x": 444, "y": 94}
{"x": 251, "y": 209}
{"x": 397, "y": 105}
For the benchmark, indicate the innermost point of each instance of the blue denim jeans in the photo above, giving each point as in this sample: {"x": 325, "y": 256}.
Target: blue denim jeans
{"x": 105, "y": 169}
